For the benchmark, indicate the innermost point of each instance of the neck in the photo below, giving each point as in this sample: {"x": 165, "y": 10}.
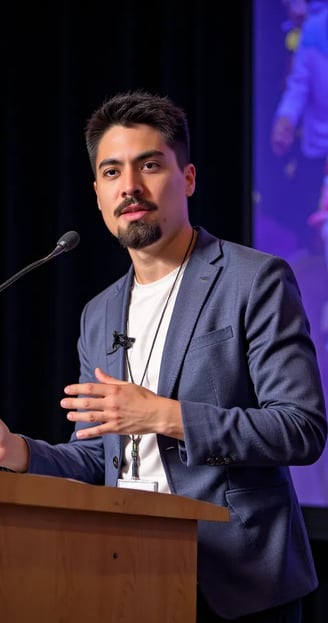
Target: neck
{"x": 161, "y": 258}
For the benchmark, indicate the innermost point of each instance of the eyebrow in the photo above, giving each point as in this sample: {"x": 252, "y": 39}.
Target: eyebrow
{"x": 143, "y": 156}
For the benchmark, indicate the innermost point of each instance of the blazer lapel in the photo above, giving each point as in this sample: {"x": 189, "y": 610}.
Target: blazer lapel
{"x": 116, "y": 320}
{"x": 200, "y": 275}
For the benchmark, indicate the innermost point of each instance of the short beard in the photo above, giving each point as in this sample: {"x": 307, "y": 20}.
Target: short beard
{"x": 139, "y": 235}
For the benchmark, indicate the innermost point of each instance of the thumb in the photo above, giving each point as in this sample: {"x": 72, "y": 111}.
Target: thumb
{"x": 102, "y": 377}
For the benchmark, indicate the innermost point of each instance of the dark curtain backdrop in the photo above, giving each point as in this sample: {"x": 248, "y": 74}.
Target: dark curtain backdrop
{"x": 59, "y": 62}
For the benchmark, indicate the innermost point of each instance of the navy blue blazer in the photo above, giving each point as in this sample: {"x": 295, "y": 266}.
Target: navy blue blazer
{"x": 239, "y": 357}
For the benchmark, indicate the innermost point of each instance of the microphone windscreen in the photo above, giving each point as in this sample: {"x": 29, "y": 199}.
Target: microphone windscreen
{"x": 69, "y": 240}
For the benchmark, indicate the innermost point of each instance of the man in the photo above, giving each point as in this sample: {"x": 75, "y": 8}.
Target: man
{"x": 198, "y": 373}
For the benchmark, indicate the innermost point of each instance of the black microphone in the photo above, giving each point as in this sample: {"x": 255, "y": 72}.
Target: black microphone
{"x": 120, "y": 339}
{"x": 65, "y": 243}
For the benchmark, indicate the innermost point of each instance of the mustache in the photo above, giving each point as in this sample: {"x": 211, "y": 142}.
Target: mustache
{"x": 129, "y": 201}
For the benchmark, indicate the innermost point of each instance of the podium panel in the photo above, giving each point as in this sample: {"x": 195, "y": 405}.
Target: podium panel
{"x": 76, "y": 553}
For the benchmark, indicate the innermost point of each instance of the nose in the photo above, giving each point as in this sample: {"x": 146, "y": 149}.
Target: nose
{"x": 132, "y": 186}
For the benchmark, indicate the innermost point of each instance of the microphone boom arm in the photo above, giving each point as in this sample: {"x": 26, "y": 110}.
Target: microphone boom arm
{"x": 67, "y": 242}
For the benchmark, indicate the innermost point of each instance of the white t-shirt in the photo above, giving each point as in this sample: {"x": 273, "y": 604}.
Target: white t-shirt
{"x": 146, "y": 306}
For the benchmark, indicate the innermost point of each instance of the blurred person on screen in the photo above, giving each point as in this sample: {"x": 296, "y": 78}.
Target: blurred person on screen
{"x": 302, "y": 115}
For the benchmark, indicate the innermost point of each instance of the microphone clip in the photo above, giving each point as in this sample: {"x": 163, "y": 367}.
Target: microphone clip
{"x": 120, "y": 339}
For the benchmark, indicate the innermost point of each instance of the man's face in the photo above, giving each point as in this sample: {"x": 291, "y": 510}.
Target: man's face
{"x": 141, "y": 191}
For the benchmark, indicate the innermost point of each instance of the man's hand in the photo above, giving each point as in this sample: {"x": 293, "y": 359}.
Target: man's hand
{"x": 122, "y": 408}
{"x": 14, "y": 453}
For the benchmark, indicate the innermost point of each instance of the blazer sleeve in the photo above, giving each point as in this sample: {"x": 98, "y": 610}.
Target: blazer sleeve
{"x": 258, "y": 397}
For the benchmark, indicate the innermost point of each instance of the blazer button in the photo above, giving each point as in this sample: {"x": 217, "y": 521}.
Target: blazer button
{"x": 211, "y": 460}
{"x": 115, "y": 461}
{"x": 215, "y": 460}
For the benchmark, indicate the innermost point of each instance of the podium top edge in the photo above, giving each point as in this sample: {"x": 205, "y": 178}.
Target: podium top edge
{"x": 64, "y": 493}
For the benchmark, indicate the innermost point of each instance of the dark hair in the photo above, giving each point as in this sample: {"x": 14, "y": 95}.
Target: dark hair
{"x": 140, "y": 107}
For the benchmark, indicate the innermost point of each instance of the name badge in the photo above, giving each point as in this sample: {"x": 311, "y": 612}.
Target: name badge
{"x": 142, "y": 485}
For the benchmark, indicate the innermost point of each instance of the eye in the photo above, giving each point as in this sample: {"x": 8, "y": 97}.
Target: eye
{"x": 110, "y": 172}
{"x": 150, "y": 166}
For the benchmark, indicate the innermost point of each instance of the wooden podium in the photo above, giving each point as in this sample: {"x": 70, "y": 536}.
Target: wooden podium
{"x": 77, "y": 553}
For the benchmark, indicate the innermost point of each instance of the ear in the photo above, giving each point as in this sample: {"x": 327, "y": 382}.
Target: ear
{"x": 95, "y": 189}
{"x": 190, "y": 178}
